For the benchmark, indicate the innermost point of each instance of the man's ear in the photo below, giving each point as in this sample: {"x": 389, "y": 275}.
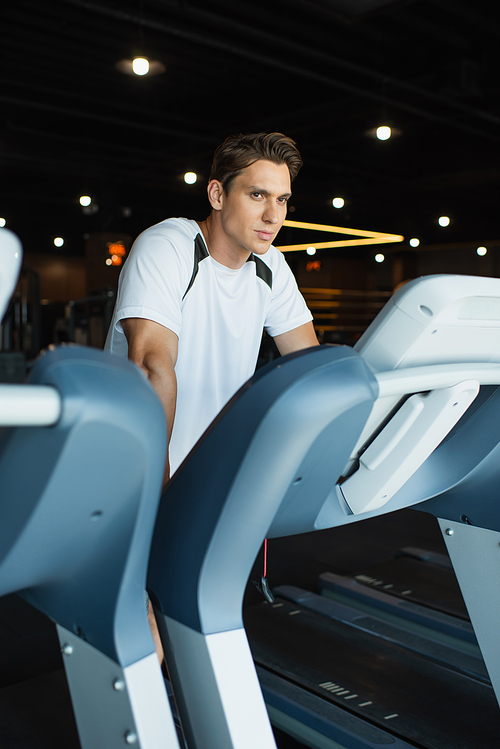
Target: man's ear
{"x": 215, "y": 193}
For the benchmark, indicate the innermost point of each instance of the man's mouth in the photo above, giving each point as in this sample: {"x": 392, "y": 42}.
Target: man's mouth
{"x": 265, "y": 235}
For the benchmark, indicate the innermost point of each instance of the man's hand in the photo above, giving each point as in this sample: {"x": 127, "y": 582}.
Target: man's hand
{"x": 294, "y": 340}
{"x": 154, "y": 349}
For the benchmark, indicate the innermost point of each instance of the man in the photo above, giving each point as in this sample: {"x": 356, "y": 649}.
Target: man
{"x": 194, "y": 297}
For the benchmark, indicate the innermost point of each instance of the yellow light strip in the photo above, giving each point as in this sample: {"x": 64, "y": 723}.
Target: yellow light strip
{"x": 369, "y": 237}
{"x": 329, "y": 227}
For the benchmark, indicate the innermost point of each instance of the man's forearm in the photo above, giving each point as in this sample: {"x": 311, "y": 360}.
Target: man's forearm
{"x": 165, "y": 384}
{"x": 154, "y": 349}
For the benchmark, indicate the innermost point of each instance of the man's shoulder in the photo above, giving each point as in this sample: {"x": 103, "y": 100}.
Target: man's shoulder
{"x": 274, "y": 259}
{"x": 165, "y": 248}
{"x": 181, "y": 231}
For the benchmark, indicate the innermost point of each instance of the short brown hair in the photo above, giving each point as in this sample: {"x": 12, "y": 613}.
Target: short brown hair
{"x": 239, "y": 151}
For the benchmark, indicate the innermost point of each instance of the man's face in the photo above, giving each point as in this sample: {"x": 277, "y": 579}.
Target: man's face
{"x": 255, "y": 208}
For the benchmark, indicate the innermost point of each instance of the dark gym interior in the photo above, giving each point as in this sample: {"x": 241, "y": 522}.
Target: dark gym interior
{"x": 91, "y": 155}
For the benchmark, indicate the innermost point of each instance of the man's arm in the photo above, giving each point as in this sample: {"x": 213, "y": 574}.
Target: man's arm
{"x": 299, "y": 338}
{"x": 154, "y": 349}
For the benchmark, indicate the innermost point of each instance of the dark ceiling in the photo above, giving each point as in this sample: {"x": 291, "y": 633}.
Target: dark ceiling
{"x": 325, "y": 72}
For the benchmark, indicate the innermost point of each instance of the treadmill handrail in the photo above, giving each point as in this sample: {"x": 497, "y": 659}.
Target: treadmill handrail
{"x": 29, "y": 405}
{"x": 388, "y": 458}
{"x": 406, "y": 441}
{"x": 401, "y": 382}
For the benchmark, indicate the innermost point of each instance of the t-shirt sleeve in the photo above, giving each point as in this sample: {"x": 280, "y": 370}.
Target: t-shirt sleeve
{"x": 154, "y": 279}
{"x": 287, "y": 309}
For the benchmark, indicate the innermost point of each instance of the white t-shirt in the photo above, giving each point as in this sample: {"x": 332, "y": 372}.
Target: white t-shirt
{"x": 217, "y": 313}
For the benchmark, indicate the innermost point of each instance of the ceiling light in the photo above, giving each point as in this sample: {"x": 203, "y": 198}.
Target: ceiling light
{"x": 481, "y": 251}
{"x": 443, "y": 221}
{"x": 85, "y": 200}
{"x": 379, "y": 258}
{"x": 140, "y": 65}
{"x": 2, "y": 222}
{"x": 190, "y": 178}
{"x": 414, "y": 242}
{"x": 134, "y": 67}
{"x": 58, "y": 241}
{"x": 311, "y": 250}
{"x": 338, "y": 202}
{"x": 383, "y": 132}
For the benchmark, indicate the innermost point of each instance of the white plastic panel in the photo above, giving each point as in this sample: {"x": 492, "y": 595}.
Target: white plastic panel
{"x": 436, "y": 320}
{"x": 430, "y": 322}
{"x": 408, "y": 439}
{"x": 398, "y": 383}
{"x": 11, "y": 257}
{"x": 216, "y": 688}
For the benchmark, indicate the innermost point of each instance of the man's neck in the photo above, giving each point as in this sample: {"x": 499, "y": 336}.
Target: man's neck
{"x": 218, "y": 247}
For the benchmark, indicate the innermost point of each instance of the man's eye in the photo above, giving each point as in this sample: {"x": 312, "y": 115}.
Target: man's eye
{"x": 257, "y": 194}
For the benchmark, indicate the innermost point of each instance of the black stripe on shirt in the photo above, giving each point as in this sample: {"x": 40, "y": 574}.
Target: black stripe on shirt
{"x": 200, "y": 253}
{"x": 262, "y": 270}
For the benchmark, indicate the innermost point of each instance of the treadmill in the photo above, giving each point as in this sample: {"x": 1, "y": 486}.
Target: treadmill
{"x": 81, "y": 465}
{"x": 429, "y": 440}
{"x": 412, "y": 669}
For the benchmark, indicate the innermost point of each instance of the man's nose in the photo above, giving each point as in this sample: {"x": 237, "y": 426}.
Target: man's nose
{"x": 271, "y": 213}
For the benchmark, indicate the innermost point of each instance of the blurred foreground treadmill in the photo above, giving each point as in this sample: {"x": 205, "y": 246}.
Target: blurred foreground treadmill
{"x": 431, "y": 441}
{"x": 81, "y": 464}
